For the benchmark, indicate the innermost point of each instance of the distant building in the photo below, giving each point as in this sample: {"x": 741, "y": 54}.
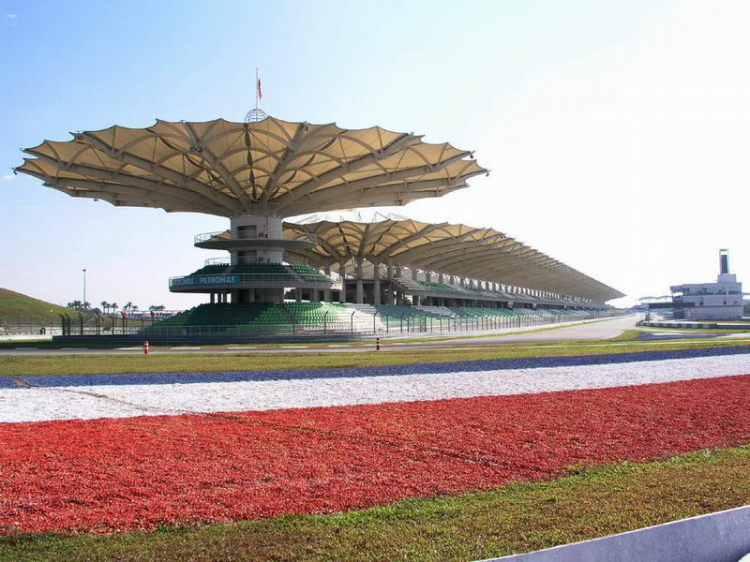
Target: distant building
{"x": 710, "y": 301}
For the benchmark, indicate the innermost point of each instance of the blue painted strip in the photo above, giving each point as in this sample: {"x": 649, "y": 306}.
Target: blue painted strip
{"x": 422, "y": 368}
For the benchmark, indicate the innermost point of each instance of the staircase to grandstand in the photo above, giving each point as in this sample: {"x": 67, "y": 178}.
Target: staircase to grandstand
{"x": 316, "y": 316}
{"x": 437, "y": 310}
{"x": 367, "y": 316}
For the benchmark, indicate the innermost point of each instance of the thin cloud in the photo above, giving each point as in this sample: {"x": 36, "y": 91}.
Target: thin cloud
{"x": 10, "y": 17}
{"x": 8, "y": 177}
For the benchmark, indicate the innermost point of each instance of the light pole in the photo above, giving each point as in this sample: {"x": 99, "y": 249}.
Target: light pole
{"x": 84, "y": 289}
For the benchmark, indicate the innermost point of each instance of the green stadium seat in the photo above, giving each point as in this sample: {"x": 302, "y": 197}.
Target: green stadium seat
{"x": 247, "y": 317}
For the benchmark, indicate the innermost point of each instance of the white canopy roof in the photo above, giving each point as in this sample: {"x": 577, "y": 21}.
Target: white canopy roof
{"x": 453, "y": 249}
{"x": 269, "y": 167}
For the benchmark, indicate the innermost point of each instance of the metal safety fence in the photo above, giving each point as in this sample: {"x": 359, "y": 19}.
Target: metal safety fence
{"x": 346, "y": 323}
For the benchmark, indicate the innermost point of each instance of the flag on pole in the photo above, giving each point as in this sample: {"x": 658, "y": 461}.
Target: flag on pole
{"x": 260, "y": 91}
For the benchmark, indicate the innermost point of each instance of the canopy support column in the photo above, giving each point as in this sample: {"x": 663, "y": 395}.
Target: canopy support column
{"x": 342, "y": 273}
{"x": 391, "y": 286}
{"x": 327, "y": 292}
{"x": 376, "y": 284}
{"x": 360, "y": 285}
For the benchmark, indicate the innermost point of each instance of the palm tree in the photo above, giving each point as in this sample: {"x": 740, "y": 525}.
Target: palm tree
{"x": 105, "y": 306}
{"x": 114, "y": 307}
{"x": 128, "y": 306}
{"x": 134, "y": 308}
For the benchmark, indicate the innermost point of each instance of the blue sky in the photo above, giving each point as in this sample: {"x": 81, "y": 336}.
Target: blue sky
{"x": 616, "y": 131}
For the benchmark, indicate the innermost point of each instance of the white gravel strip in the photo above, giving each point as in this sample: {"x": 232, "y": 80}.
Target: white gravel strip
{"x": 90, "y": 402}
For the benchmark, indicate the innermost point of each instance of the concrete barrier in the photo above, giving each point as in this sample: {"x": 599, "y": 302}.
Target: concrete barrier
{"x": 717, "y": 537}
{"x": 698, "y": 325}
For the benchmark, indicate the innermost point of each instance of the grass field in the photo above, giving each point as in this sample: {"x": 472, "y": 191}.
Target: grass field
{"x": 590, "y": 502}
{"x": 15, "y": 365}
{"x": 17, "y": 305}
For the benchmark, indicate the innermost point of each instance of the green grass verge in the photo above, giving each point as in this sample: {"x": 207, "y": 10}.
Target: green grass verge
{"x": 590, "y": 502}
{"x": 15, "y": 365}
{"x": 15, "y": 305}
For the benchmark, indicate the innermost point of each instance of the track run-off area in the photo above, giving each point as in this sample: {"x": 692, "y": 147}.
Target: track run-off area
{"x": 118, "y": 452}
{"x": 137, "y": 451}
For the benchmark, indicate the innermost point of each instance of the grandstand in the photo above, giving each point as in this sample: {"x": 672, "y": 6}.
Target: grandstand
{"x": 282, "y": 277}
{"x": 259, "y": 317}
{"x": 407, "y": 262}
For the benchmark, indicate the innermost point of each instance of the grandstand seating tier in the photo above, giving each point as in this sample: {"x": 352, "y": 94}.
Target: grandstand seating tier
{"x": 395, "y": 311}
{"x": 308, "y": 273}
{"x": 210, "y": 270}
{"x": 315, "y": 315}
{"x": 455, "y": 291}
{"x": 277, "y": 270}
{"x": 251, "y": 316}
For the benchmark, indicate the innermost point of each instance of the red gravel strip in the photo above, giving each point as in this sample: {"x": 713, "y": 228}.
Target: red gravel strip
{"x": 136, "y": 473}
